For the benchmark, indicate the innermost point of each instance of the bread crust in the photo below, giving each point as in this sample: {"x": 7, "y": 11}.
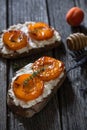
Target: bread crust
{"x": 29, "y": 112}
{"x": 31, "y": 51}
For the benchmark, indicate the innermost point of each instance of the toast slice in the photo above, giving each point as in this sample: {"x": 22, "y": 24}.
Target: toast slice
{"x": 33, "y": 45}
{"x": 28, "y": 109}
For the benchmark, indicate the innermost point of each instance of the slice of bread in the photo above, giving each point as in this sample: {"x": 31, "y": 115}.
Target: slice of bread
{"x": 29, "y": 112}
{"x": 36, "y": 107}
{"x": 31, "y": 51}
{"x": 33, "y": 46}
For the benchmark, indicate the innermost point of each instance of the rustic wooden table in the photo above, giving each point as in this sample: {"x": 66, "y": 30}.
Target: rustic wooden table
{"x": 68, "y": 108}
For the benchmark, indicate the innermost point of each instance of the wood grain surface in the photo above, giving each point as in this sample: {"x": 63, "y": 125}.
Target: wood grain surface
{"x": 3, "y": 73}
{"x": 68, "y": 108}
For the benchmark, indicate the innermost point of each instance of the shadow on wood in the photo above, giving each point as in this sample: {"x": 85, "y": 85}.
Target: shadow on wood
{"x": 80, "y": 28}
{"x": 66, "y": 90}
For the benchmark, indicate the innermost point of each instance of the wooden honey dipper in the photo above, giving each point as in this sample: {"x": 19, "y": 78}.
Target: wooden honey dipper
{"x": 76, "y": 41}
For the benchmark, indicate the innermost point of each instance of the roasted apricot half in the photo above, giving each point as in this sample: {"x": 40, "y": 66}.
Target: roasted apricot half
{"x": 52, "y": 68}
{"x": 32, "y": 90}
{"x": 40, "y": 31}
{"x": 15, "y": 39}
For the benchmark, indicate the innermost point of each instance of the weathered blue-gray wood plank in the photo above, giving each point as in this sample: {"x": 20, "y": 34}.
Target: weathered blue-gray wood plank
{"x": 83, "y": 78}
{"x": 71, "y": 101}
{"x": 3, "y": 72}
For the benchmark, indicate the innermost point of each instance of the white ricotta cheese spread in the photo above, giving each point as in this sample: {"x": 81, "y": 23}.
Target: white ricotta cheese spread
{"x": 48, "y": 86}
{"x": 31, "y": 43}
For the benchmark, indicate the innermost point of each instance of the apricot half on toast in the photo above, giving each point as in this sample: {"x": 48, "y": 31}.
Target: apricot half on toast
{"x": 40, "y": 31}
{"x": 15, "y": 39}
{"x": 33, "y": 85}
{"x": 32, "y": 90}
{"x": 52, "y": 68}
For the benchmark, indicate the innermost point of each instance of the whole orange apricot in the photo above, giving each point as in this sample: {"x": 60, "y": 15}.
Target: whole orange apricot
{"x": 75, "y": 16}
